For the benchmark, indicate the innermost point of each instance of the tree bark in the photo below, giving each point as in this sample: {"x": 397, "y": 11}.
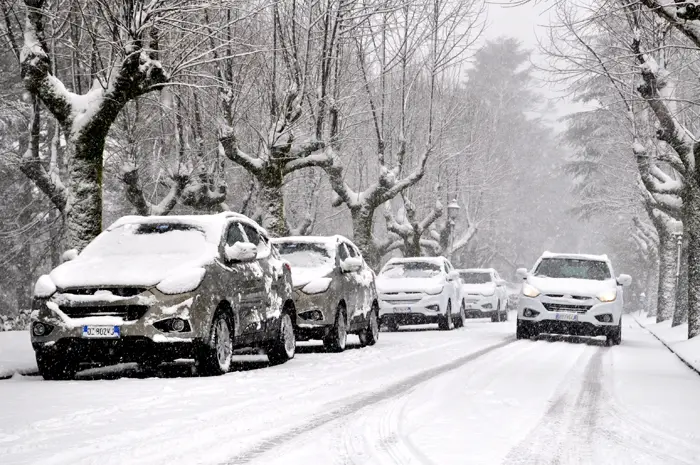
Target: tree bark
{"x": 680, "y": 316}
{"x": 667, "y": 276}
{"x": 691, "y": 223}
{"x": 271, "y": 201}
{"x": 362, "y": 226}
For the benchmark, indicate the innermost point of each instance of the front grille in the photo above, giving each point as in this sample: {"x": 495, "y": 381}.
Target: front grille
{"x": 567, "y": 308}
{"x": 118, "y": 291}
{"x": 557, "y": 296}
{"x": 403, "y": 301}
{"x": 126, "y": 312}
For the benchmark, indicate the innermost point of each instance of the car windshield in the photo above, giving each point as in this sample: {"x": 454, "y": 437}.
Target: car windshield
{"x": 475, "y": 277}
{"x": 573, "y": 268}
{"x": 148, "y": 239}
{"x": 411, "y": 270}
{"x": 306, "y": 254}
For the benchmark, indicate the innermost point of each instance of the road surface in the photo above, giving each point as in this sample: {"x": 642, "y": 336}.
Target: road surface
{"x": 470, "y": 396}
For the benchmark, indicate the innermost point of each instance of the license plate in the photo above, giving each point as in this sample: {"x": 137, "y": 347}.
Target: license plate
{"x": 104, "y": 332}
{"x": 566, "y": 317}
{"x": 402, "y": 309}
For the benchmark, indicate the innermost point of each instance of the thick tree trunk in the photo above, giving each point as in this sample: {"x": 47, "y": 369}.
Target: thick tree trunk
{"x": 25, "y": 282}
{"x": 691, "y": 222}
{"x": 271, "y": 202}
{"x": 667, "y": 276}
{"x": 362, "y": 226}
{"x": 680, "y": 316}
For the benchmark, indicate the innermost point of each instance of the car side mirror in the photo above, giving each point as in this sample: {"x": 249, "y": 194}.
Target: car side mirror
{"x": 500, "y": 282}
{"x": 69, "y": 255}
{"x": 351, "y": 264}
{"x": 240, "y": 252}
{"x": 624, "y": 280}
{"x": 521, "y": 273}
{"x": 453, "y": 276}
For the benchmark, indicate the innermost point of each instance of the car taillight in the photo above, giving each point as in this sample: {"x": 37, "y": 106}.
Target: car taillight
{"x": 288, "y": 266}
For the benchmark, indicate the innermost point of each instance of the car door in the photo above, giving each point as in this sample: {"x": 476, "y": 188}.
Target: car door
{"x": 268, "y": 286}
{"x": 349, "y": 281}
{"x": 248, "y": 285}
{"x": 362, "y": 280}
{"x": 454, "y": 285}
{"x": 501, "y": 290}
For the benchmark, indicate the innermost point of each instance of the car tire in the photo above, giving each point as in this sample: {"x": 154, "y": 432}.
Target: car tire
{"x": 284, "y": 347}
{"x": 462, "y": 318}
{"x": 370, "y": 335}
{"x": 446, "y": 323}
{"x": 57, "y": 368}
{"x": 522, "y": 332}
{"x": 215, "y": 354}
{"x": 615, "y": 339}
{"x": 337, "y": 339}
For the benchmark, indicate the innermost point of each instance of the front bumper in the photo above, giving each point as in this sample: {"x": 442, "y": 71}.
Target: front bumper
{"x": 480, "y": 306}
{"x": 315, "y": 314}
{"x": 412, "y": 308}
{"x": 139, "y": 334}
{"x": 579, "y": 323}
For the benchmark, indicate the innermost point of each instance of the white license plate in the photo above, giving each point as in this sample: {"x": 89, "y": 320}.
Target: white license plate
{"x": 402, "y": 309}
{"x": 566, "y": 316}
{"x": 104, "y": 332}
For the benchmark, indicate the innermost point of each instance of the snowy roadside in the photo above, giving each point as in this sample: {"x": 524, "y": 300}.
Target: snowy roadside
{"x": 676, "y": 339}
{"x": 16, "y": 354}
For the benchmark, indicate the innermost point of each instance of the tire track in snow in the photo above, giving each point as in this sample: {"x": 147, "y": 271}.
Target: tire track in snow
{"x": 359, "y": 404}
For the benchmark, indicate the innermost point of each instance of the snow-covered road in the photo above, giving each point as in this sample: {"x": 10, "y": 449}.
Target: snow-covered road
{"x": 471, "y": 396}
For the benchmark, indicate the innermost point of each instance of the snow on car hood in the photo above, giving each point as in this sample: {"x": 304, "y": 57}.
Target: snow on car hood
{"x": 123, "y": 270}
{"x": 302, "y": 276}
{"x": 571, "y": 286}
{"x": 408, "y": 284}
{"x": 481, "y": 288}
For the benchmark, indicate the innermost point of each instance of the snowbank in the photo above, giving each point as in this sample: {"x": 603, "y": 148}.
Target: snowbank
{"x": 676, "y": 339}
{"x": 16, "y": 354}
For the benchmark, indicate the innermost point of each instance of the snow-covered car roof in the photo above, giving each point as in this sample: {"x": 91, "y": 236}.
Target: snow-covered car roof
{"x": 312, "y": 239}
{"x": 212, "y": 225}
{"x": 434, "y": 260}
{"x": 578, "y": 256}
{"x": 477, "y": 270}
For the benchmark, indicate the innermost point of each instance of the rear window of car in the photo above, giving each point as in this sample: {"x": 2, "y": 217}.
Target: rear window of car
{"x": 471, "y": 277}
{"x": 573, "y": 268}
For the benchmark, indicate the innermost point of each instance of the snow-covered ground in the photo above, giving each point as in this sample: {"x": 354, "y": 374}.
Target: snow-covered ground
{"x": 470, "y": 396}
{"x": 675, "y": 338}
{"x": 16, "y": 354}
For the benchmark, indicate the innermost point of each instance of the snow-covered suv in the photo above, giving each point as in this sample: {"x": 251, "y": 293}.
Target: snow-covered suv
{"x": 334, "y": 290}
{"x": 484, "y": 294}
{"x": 155, "y": 289}
{"x": 418, "y": 291}
{"x": 571, "y": 294}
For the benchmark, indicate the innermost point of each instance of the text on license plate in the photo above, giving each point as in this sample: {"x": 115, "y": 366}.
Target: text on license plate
{"x": 566, "y": 316}
{"x": 109, "y": 332}
{"x": 402, "y": 309}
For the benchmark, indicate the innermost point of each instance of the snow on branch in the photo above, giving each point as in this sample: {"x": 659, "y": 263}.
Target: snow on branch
{"x": 661, "y": 189}
{"x": 135, "y": 195}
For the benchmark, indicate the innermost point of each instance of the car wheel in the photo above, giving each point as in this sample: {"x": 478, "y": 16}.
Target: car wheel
{"x": 462, "y": 318}
{"x": 370, "y": 335}
{"x": 615, "y": 339}
{"x": 57, "y": 368}
{"x": 215, "y": 355}
{"x": 338, "y": 337}
{"x": 446, "y": 323}
{"x": 522, "y": 331}
{"x": 285, "y": 346}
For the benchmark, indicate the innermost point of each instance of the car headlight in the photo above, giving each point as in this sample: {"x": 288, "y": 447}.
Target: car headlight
{"x": 530, "y": 290}
{"x": 183, "y": 281}
{"x": 317, "y": 286}
{"x": 435, "y": 290}
{"x": 608, "y": 296}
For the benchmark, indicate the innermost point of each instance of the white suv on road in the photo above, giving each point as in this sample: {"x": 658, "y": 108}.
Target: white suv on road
{"x": 420, "y": 290}
{"x": 571, "y": 294}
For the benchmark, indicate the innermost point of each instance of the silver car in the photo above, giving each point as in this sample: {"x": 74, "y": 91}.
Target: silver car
{"x": 156, "y": 289}
{"x": 334, "y": 290}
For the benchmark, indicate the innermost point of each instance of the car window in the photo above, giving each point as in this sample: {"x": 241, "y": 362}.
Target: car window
{"x": 234, "y": 234}
{"x": 573, "y": 268}
{"x": 398, "y": 270}
{"x": 342, "y": 252}
{"x": 475, "y": 277}
{"x": 351, "y": 250}
{"x": 256, "y": 238}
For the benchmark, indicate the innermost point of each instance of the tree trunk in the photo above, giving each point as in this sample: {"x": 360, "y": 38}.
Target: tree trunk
{"x": 25, "y": 280}
{"x": 84, "y": 214}
{"x": 667, "y": 276}
{"x": 362, "y": 225}
{"x": 691, "y": 222}
{"x": 271, "y": 202}
{"x": 680, "y": 316}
